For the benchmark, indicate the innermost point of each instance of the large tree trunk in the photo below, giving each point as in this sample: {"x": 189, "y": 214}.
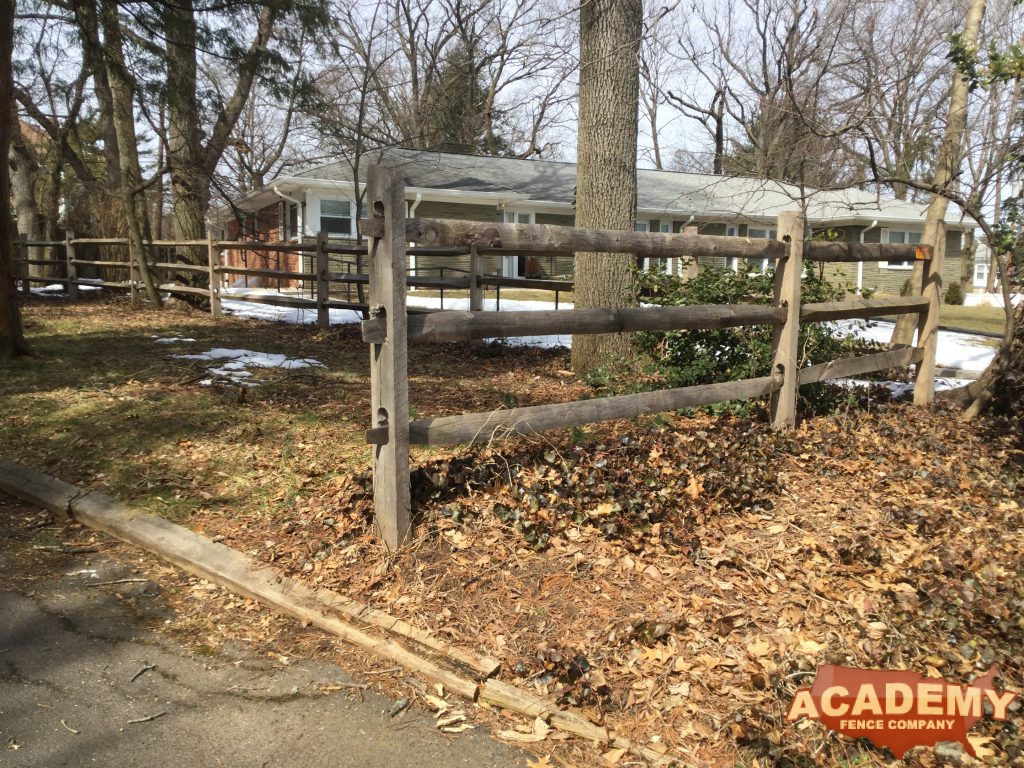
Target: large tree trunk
{"x": 610, "y": 33}
{"x": 23, "y": 172}
{"x": 131, "y": 190}
{"x": 950, "y": 156}
{"x": 12, "y": 338}
{"x": 190, "y": 185}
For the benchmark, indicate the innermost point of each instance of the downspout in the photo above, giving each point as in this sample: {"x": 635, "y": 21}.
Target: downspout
{"x": 860, "y": 264}
{"x": 412, "y": 213}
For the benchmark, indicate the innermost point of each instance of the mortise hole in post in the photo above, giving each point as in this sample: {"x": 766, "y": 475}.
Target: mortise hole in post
{"x": 378, "y": 208}
{"x": 382, "y": 417}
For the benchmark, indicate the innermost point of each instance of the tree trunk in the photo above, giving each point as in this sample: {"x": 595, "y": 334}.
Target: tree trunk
{"x": 12, "y": 337}
{"x": 950, "y": 156}
{"x": 610, "y": 32}
{"x": 190, "y": 186}
{"x": 23, "y": 171}
{"x": 131, "y": 192}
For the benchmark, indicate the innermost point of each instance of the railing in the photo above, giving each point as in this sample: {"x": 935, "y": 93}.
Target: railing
{"x": 390, "y": 329}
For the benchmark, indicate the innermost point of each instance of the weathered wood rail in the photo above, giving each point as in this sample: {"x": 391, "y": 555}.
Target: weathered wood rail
{"x": 390, "y": 328}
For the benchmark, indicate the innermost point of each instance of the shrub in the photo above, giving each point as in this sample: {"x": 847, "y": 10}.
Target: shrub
{"x": 694, "y": 357}
{"x": 954, "y": 294}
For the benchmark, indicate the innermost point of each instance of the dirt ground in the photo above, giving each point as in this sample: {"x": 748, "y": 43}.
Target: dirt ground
{"x": 676, "y": 578}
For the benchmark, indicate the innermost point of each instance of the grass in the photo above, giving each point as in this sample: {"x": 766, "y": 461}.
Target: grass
{"x": 973, "y": 319}
{"x": 102, "y": 404}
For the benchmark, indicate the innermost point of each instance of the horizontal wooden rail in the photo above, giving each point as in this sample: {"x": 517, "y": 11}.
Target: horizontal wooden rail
{"x": 104, "y": 284}
{"x": 526, "y": 283}
{"x": 489, "y": 238}
{"x": 272, "y": 273}
{"x": 179, "y": 243}
{"x": 110, "y": 264}
{"x": 855, "y": 366}
{"x": 44, "y": 243}
{"x": 35, "y": 279}
{"x": 99, "y": 241}
{"x": 853, "y": 252}
{"x": 482, "y": 427}
{"x": 40, "y": 262}
{"x": 259, "y": 245}
{"x": 181, "y": 266}
{"x": 413, "y": 281}
{"x": 855, "y": 309}
{"x": 417, "y": 250}
{"x": 461, "y": 326}
{"x": 187, "y": 290}
{"x": 276, "y": 300}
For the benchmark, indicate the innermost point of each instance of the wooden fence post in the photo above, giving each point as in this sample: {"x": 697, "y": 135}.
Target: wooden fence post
{"x": 72, "y": 270}
{"x": 476, "y": 273}
{"x": 25, "y": 271}
{"x": 213, "y": 266}
{"x": 323, "y": 287}
{"x": 788, "y": 270}
{"x": 389, "y": 375}
{"x": 134, "y": 278}
{"x": 928, "y": 324}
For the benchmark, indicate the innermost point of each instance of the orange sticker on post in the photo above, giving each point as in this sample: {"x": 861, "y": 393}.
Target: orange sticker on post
{"x": 922, "y": 252}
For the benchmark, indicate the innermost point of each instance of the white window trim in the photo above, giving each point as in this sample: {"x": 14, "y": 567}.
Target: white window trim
{"x": 884, "y": 238}
{"x": 510, "y": 264}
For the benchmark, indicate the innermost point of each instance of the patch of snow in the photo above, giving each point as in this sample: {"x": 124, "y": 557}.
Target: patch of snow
{"x": 59, "y": 289}
{"x": 966, "y": 351}
{"x": 901, "y": 389}
{"x": 173, "y": 340}
{"x": 234, "y": 370}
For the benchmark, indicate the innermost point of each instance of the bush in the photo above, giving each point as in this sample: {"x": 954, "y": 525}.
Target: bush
{"x": 694, "y": 357}
{"x": 954, "y": 294}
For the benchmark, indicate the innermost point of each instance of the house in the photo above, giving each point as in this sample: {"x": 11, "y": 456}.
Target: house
{"x": 443, "y": 185}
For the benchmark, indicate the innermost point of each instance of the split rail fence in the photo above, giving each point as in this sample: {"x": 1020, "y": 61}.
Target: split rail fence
{"x": 390, "y": 329}
{"x": 327, "y": 272}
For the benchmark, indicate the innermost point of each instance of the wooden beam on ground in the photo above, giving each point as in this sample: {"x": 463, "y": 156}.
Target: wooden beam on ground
{"x": 854, "y": 252}
{"x": 785, "y": 339}
{"x": 855, "y": 366}
{"x": 524, "y": 238}
{"x": 229, "y": 568}
{"x": 389, "y": 374}
{"x": 482, "y": 427}
{"x": 462, "y": 326}
{"x": 861, "y": 308}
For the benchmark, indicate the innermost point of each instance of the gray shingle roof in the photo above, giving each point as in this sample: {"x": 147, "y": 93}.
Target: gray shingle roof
{"x": 681, "y": 194}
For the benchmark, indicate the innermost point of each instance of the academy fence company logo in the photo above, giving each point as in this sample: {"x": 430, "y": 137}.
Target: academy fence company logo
{"x": 898, "y": 710}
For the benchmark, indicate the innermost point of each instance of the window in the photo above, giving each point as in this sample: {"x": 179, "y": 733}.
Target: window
{"x": 981, "y": 267}
{"x": 292, "y": 229}
{"x": 514, "y": 265}
{"x": 761, "y": 234}
{"x": 657, "y": 263}
{"x": 753, "y": 233}
{"x": 336, "y": 217}
{"x": 899, "y": 237}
